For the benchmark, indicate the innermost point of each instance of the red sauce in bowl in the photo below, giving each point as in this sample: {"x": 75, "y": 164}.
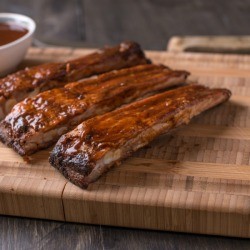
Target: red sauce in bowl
{"x": 10, "y": 32}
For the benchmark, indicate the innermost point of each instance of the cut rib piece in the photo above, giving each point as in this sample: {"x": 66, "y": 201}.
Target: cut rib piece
{"x": 38, "y": 122}
{"x": 31, "y": 81}
{"x": 95, "y": 145}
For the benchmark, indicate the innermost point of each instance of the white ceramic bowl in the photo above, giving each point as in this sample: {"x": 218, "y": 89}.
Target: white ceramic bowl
{"x": 11, "y": 54}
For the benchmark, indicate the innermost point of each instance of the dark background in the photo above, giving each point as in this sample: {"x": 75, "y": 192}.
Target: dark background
{"x": 94, "y": 23}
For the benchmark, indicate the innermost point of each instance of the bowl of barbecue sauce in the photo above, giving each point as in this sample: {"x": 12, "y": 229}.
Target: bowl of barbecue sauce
{"x": 16, "y": 33}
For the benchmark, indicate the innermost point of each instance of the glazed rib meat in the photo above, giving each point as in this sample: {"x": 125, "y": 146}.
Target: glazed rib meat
{"x": 31, "y": 81}
{"x": 95, "y": 145}
{"x": 38, "y": 122}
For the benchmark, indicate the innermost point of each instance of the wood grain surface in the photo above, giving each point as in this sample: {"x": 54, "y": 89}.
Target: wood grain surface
{"x": 196, "y": 179}
{"x": 210, "y": 44}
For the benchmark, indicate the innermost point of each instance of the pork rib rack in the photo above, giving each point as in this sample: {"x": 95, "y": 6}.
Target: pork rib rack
{"x": 38, "y": 122}
{"x": 95, "y": 145}
{"x": 31, "y": 81}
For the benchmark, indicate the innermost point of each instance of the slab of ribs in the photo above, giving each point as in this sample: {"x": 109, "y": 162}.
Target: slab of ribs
{"x": 31, "y": 81}
{"x": 38, "y": 122}
{"x": 122, "y": 104}
{"x": 95, "y": 145}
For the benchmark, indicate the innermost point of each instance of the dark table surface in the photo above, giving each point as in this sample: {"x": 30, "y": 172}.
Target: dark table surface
{"x": 86, "y": 23}
{"x": 20, "y": 233}
{"x": 93, "y": 23}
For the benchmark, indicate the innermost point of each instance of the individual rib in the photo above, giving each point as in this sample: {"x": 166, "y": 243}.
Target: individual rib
{"x": 95, "y": 145}
{"x": 31, "y": 81}
{"x": 38, "y": 122}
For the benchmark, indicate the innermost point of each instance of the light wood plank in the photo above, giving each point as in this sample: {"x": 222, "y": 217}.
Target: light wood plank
{"x": 138, "y": 207}
{"x": 30, "y": 197}
{"x": 212, "y": 44}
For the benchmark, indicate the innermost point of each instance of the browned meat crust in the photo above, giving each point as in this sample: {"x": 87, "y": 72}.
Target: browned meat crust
{"x": 85, "y": 153}
{"x": 31, "y": 81}
{"x": 38, "y": 122}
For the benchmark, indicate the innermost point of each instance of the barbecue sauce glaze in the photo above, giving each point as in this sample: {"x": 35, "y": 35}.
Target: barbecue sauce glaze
{"x": 10, "y": 32}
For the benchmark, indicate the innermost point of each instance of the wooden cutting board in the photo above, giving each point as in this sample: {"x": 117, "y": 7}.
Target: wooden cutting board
{"x": 196, "y": 179}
